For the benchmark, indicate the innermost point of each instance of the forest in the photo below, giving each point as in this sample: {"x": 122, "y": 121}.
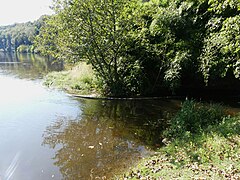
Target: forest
{"x": 162, "y": 73}
{"x": 20, "y": 37}
{"x": 142, "y": 48}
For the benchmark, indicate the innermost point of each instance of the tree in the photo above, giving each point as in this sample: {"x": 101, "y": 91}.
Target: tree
{"x": 221, "y": 52}
{"x": 169, "y": 42}
{"x": 47, "y": 39}
{"x": 12, "y": 36}
{"x": 146, "y": 47}
{"x": 97, "y": 31}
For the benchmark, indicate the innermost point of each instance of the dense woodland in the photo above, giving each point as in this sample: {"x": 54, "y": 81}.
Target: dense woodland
{"x": 138, "y": 47}
{"x": 20, "y": 37}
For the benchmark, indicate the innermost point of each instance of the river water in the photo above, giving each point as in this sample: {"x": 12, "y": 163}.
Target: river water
{"x": 47, "y": 134}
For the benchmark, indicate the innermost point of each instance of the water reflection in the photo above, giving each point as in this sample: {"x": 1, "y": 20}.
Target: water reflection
{"x": 87, "y": 138}
{"x": 107, "y": 137}
{"x": 26, "y": 109}
{"x": 30, "y": 66}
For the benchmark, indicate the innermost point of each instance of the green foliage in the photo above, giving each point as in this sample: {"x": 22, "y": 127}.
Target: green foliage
{"x": 224, "y": 7}
{"x": 212, "y": 153}
{"x": 221, "y": 46}
{"x": 144, "y": 47}
{"x": 13, "y": 36}
{"x": 25, "y": 49}
{"x": 167, "y": 41}
{"x": 46, "y": 40}
{"x": 194, "y": 118}
{"x": 95, "y": 31}
{"x": 79, "y": 79}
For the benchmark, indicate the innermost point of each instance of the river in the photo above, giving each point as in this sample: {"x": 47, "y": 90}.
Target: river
{"x": 47, "y": 134}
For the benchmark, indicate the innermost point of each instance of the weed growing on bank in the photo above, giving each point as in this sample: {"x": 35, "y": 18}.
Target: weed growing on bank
{"x": 79, "y": 79}
{"x": 202, "y": 143}
{"x": 194, "y": 118}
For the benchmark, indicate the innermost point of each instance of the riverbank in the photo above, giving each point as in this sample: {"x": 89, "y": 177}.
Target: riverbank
{"x": 209, "y": 151}
{"x": 78, "y": 79}
{"x": 202, "y": 141}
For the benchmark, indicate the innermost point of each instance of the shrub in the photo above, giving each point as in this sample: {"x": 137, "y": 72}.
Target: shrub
{"x": 193, "y": 118}
{"x": 23, "y": 49}
{"x": 80, "y": 79}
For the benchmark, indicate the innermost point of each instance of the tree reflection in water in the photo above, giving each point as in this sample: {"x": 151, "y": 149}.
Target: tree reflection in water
{"x": 102, "y": 141}
{"x": 28, "y": 66}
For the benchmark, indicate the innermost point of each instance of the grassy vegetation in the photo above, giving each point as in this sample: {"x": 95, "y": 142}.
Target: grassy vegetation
{"x": 210, "y": 150}
{"x": 202, "y": 141}
{"x": 79, "y": 79}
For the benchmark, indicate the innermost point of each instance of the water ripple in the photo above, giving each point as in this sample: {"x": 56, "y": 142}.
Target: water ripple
{"x": 13, "y": 166}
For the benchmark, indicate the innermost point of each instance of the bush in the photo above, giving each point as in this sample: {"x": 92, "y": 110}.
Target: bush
{"x": 193, "y": 118}
{"x": 23, "y": 49}
{"x": 79, "y": 80}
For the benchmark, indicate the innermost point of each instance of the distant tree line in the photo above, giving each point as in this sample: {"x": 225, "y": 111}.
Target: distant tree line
{"x": 147, "y": 47}
{"x": 142, "y": 47}
{"x": 20, "y": 37}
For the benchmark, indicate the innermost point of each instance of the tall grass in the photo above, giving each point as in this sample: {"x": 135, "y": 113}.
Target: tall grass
{"x": 205, "y": 144}
{"x": 193, "y": 118}
{"x": 80, "y": 79}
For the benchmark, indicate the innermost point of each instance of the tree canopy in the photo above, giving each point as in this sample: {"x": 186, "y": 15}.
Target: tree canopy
{"x": 145, "y": 47}
{"x": 20, "y": 37}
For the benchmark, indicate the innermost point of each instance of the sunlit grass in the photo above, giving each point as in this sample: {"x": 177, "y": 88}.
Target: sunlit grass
{"x": 79, "y": 79}
{"x": 209, "y": 153}
{"x": 215, "y": 158}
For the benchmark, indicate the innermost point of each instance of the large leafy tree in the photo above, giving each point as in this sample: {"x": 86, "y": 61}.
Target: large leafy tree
{"x": 96, "y": 31}
{"x": 221, "y": 52}
{"x": 142, "y": 47}
{"x": 47, "y": 41}
{"x": 169, "y": 41}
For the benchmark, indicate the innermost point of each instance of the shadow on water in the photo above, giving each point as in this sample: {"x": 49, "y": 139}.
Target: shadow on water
{"x": 108, "y": 136}
{"x": 29, "y": 66}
